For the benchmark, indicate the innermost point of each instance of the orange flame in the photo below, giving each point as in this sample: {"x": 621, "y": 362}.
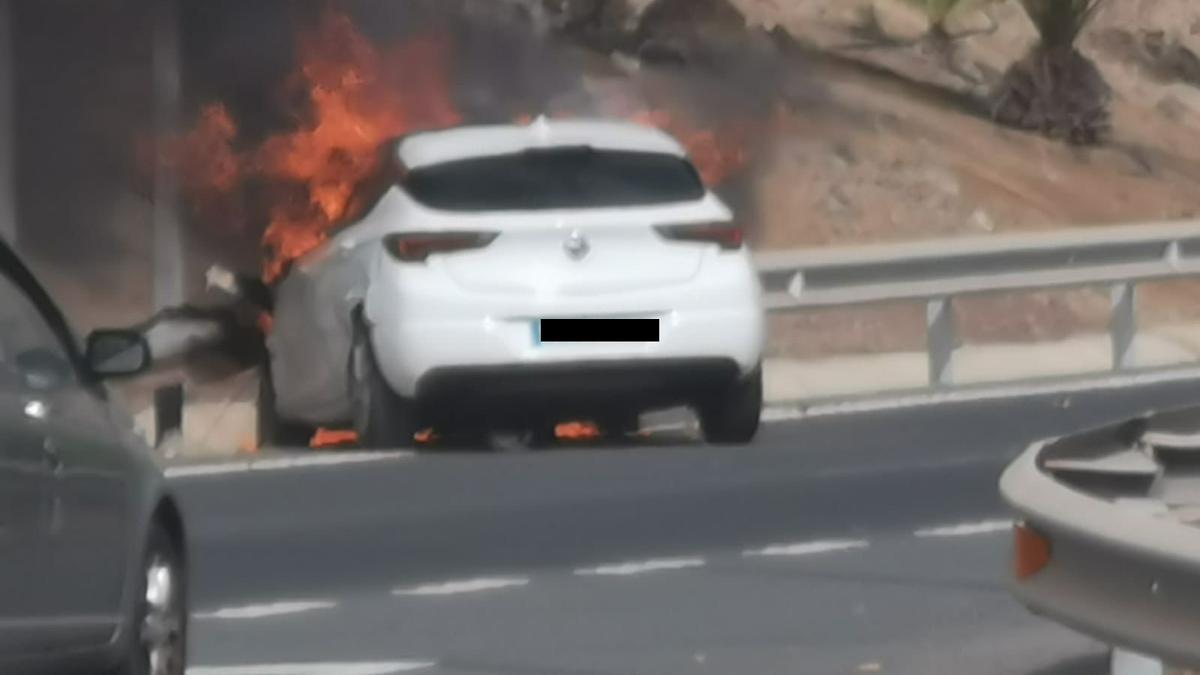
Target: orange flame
{"x": 333, "y": 438}
{"x": 339, "y": 438}
{"x": 360, "y": 98}
{"x": 577, "y": 431}
{"x": 209, "y": 169}
{"x": 356, "y": 98}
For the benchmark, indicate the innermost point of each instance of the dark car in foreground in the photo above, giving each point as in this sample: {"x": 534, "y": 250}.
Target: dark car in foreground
{"x": 92, "y": 547}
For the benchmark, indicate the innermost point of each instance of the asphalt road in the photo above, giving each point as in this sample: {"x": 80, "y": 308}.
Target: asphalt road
{"x": 867, "y": 543}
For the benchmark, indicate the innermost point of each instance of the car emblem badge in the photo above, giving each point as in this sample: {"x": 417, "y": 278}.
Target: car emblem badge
{"x": 577, "y": 246}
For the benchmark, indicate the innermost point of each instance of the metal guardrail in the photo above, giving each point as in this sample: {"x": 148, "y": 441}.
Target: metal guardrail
{"x": 1117, "y": 515}
{"x": 938, "y": 272}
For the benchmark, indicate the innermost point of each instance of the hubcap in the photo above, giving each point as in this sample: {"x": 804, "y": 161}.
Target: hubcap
{"x": 162, "y": 625}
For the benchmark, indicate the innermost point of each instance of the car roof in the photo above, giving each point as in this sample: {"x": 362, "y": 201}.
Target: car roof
{"x": 469, "y": 142}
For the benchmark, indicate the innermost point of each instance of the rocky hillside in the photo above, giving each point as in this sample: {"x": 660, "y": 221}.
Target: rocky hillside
{"x": 914, "y": 158}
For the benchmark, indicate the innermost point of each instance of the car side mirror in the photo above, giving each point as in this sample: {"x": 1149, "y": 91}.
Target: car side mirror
{"x": 117, "y": 353}
{"x": 43, "y": 369}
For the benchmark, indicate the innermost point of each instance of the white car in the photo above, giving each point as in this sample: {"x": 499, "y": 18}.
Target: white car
{"x": 508, "y": 278}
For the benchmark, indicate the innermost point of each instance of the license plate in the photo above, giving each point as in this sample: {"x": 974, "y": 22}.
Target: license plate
{"x": 560, "y": 331}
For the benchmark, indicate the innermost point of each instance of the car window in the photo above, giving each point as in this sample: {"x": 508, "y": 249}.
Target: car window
{"x": 22, "y": 328}
{"x": 559, "y": 178}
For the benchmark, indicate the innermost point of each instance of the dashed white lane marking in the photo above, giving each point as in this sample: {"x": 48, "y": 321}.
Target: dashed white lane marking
{"x": 642, "y": 567}
{"x": 365, "y": 668}
{"x": 809, "y": 548}
{"x": 266, "y": 610}
{"x": 282, "y": 463}
{"x": 466, "y": 586}
{"x": 966, "y": 529}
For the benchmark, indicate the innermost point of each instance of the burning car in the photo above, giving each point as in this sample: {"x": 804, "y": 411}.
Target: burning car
{"x": 512, "y": 277}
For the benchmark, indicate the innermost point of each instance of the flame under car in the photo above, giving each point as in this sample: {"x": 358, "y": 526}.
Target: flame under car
{"x": 515, "y": 277}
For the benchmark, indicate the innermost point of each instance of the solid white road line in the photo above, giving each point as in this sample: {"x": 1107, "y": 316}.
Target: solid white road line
{"x": 364, "y": 668}
{"x": 266, "y": 610}
{"x": 465, "y": 586}
{"x": 808, "y": 548}
{"x": 282, "y": 463}
{"x": 966, "y": 529}
{"x": 643, "y": 567}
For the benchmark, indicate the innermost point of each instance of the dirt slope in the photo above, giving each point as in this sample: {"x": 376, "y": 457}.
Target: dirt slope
{"x": 909, "y": 160}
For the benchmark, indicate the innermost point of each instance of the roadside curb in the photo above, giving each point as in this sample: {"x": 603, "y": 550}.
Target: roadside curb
{"x": 774, "y": 412}
{"x": 781, "y": 411}
{"x": 199, "y": 468}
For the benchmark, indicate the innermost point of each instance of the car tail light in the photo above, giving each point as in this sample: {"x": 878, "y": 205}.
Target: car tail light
{"x": 728, "y": 236}
{"x": 1031, "y": 551}
{"x": 418, "y": 246}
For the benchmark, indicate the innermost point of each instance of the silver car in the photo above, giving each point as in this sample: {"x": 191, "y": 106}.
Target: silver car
{"x": 92, "y": 552}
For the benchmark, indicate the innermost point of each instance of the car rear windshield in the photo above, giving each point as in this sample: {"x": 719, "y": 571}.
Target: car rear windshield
{"x": 560, "y": 178}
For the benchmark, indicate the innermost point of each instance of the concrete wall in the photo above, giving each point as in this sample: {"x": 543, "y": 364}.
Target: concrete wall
{"x": 8, "y": 219}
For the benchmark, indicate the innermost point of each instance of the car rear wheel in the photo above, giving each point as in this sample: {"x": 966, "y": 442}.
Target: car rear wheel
{"x": 273, "y": 431}
{"x": 158, "y": 644}
{"x": 382, "y": 418}
{"x": 732, "y": 415}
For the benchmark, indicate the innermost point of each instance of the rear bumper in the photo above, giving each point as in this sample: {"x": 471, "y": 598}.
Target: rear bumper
{"x": 409, "y": 353}
{"x": 530, "y": 393}
{"x": 422, "y": 325}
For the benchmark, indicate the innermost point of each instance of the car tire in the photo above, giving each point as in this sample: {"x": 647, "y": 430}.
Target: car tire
{"x": 273, "y": 431}
{"x": 382, "y": 418}
{"x": 157, "y": 641}
{"x": 732, "y": 415}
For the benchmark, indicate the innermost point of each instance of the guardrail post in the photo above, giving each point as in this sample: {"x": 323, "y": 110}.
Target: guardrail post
{"x": 1124, "y": 324}
{"x": 941, "y": 340}
{"x": 168, "y": 413}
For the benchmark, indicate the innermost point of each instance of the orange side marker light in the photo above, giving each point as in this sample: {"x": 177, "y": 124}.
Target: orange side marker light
{"x": 1031, "y": 553}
